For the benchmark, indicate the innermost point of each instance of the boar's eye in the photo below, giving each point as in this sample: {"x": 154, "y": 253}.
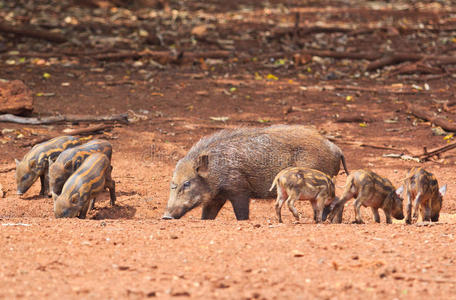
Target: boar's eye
{"x": 25, "y": 177}
{"x": 186, "y": 184}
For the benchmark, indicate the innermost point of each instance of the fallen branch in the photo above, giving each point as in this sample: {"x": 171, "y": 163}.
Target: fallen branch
{"x": 436, "y": 152}
{"x": 361, "y": 144}
{"x": 162, "y": 55}
{"x": 421, "y": 113}
{"x": 123, "y": 118}
{"x": 8, "y": 169}
{"x": 378, "y": 90}
{"x": 423, "y": 279}
{"x": 88, "y": 130}
{"x": 342, "y": 55}
{"x": 353, "y": 119}
{"x": 32, "y": 32}
{"x": 396, "y": 58}
{"x": 414, "y": 68}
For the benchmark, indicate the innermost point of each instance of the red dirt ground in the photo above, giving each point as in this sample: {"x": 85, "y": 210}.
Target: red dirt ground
{"x": 127, "y": 251}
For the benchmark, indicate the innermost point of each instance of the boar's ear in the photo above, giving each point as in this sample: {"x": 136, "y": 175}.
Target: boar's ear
{"x": 202, "y": 166}
{"x": 32, "y": 163}
{"x": 17, "y": 161}
{"x": 442, "y": 190}
{"x": 400, "y": 190}
{"x": 67, "y": 165}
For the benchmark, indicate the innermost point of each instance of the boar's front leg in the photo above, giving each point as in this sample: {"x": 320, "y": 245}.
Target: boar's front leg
{"x": 211, "y": 210}
{"x": 241, "y": 205}
{"x": 376, "y": 215}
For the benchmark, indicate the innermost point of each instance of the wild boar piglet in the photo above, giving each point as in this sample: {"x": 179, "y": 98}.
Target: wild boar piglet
{"x": 370, "y": 190}
{"x": 423, "y": 194}
{"x": 304, "y": 184}
{"x": 35, "y": 163}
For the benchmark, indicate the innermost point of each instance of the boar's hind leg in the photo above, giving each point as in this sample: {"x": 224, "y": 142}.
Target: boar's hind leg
{"x": 376, "y": 215}
{"x": 211, "y": 210}
{"x": 240, "y": 205}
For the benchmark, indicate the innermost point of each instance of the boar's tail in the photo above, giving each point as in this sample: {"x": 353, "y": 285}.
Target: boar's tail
{"x": 274, "y": 183}
{"x": 342, "y": 158}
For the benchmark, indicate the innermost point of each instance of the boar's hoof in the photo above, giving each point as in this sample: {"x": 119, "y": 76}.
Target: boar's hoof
{"x": 167, "y": 217}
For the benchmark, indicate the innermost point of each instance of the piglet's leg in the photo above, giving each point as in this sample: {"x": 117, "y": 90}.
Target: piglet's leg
{"x": 357, "y": 204}
{"x": 376, "y": 215}
{"x": 416, "y": 206}
{"x": 44, "y": 184}
{"x": 111, "y": 185}
{"x": 290, "y": 201}
{"x": 279, "y": 203}
{"x": 84, "y": 210}
{"x": 408, "y": 219}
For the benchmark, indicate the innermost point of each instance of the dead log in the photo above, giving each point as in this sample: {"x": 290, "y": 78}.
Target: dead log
{"x": 15, "y": 98}
{"x": 32, "y": 32}
{"x": 123, "y": 118}
{"x": 342, "y": 55}
{"x": 396, "y": 58}
{"x": 422, "y": 113}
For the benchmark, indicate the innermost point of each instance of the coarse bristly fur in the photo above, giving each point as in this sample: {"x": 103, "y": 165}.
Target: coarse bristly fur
{"x": 297, "y": 183}
{"x": 240, "y": 164}
{"x": 423, "y": 194}
{"x": 369, "y": 190}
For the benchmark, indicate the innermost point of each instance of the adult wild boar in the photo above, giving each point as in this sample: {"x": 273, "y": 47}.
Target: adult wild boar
{"x": 240, "y": 164}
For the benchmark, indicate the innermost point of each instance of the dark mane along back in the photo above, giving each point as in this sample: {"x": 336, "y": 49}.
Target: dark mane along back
{"x": 207, "y": 142}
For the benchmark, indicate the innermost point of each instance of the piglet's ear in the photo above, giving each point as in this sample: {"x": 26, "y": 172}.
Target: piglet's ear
{"x": 54, "y": 196}
{"x": 74, "y": 198}
{"x": 32, "y": 164}
{"x": 400, "y": 190}
{"x": 443, "y": 190}
{"x": 202, "y": 166}
{"x": 17, "y": 161}
{"x": 67, "y": 165}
